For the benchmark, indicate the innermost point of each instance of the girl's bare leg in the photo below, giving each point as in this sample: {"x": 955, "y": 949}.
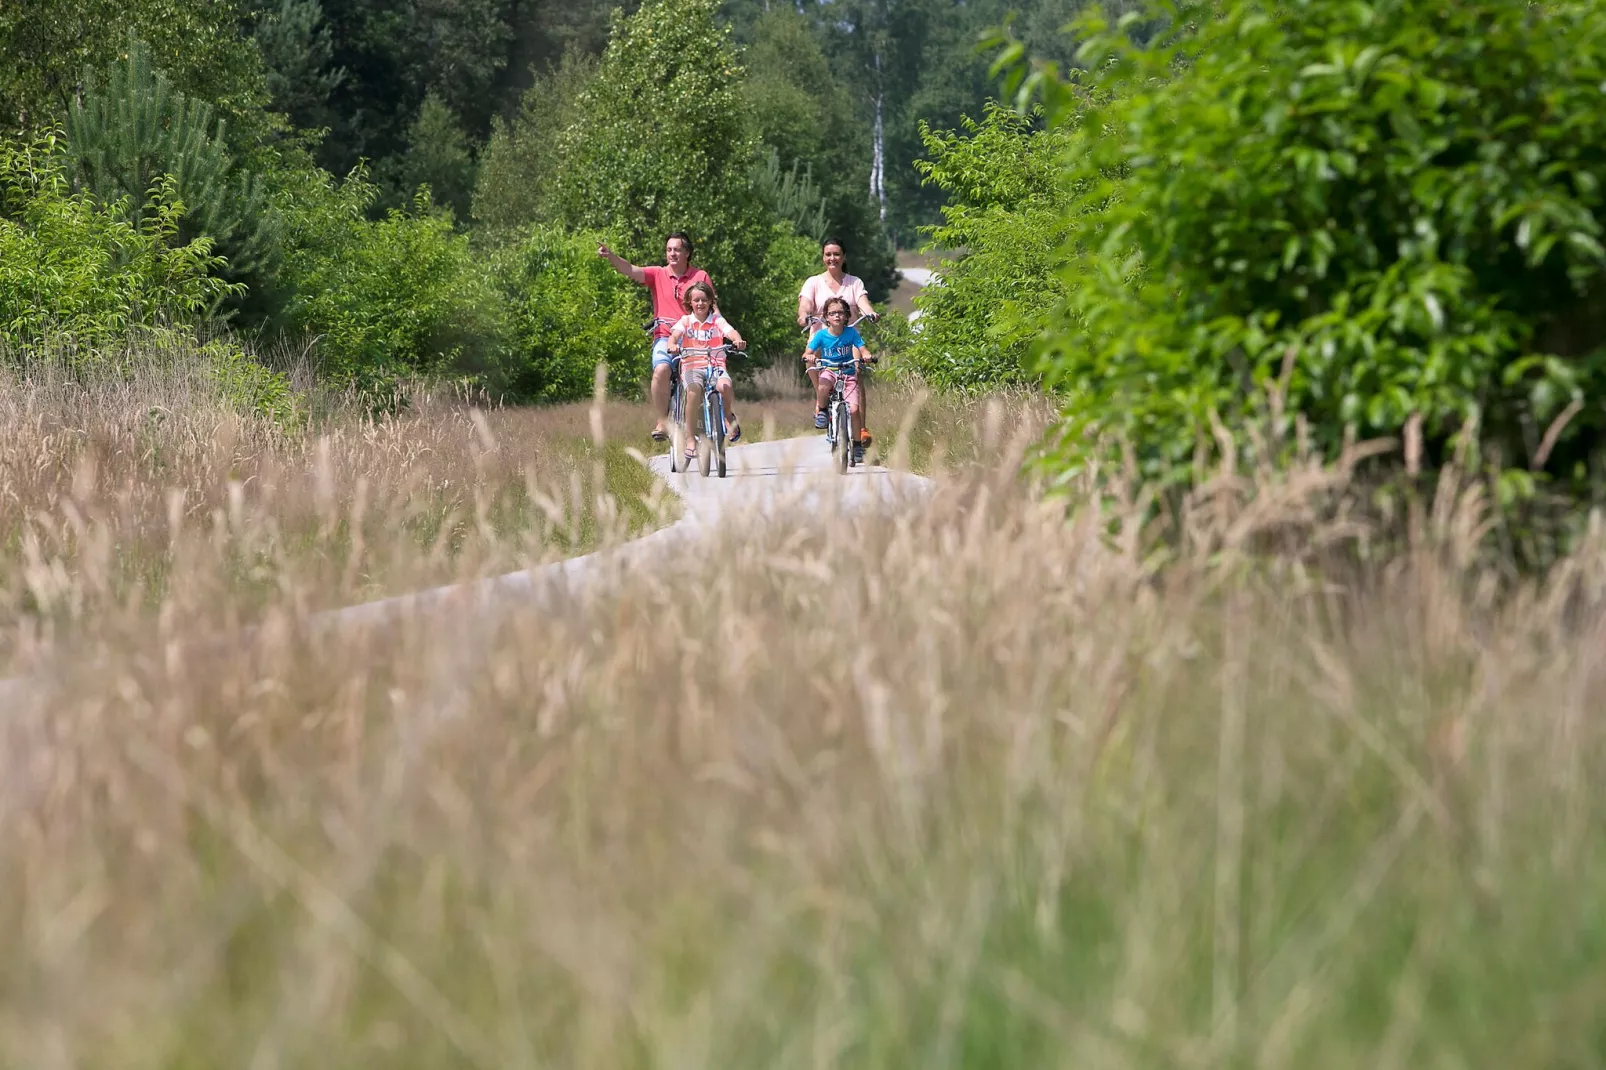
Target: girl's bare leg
{"x": 694, "y": 408}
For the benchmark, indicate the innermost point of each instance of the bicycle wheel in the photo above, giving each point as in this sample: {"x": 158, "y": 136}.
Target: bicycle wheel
{"x": 677, "y": 443}
{"x": 705, "y": 454}
{"x": 844, "y": 436}
{"x": 719, "y": 435}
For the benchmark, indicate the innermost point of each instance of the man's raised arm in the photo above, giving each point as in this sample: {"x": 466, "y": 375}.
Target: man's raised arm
{"x": 622, "y": 266}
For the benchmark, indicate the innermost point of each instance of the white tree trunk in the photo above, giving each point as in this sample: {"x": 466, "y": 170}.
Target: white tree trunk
{"x": 878, "y": 188}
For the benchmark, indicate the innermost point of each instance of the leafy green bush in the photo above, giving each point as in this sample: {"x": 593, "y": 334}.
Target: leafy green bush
{"x": 75, "y": 270}
{"x": 251, "y": 387}
{"x": 392, "y": 299}
{"x": 569, "y": 310}
{"x": 1006, "y": 216}
{"x": 1342, "y": 214}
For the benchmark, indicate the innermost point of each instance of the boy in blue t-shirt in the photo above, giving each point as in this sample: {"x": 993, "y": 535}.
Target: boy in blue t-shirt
{"x": 834, "y": 349}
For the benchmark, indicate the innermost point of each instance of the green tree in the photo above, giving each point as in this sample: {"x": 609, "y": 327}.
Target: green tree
{"x": 392, "y": 299}
{"x": 516, "y": 178}
{"x": 1351, "y": 215}
{"x": 46, "y": 45}
{"x": 393, "y": 54}
{"x": 437, "y": 156}
{"x": 298, "y": 53}
{"x": 129, "y": 132}
{"x": 1005, "y": 211}
{"x": 662, "y": 144}
{"x": 76, "y": 268}
{"x": 805, "y": 113}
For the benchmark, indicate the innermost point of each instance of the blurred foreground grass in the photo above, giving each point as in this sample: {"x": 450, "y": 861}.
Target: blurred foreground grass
{"x": 968, "y": 783}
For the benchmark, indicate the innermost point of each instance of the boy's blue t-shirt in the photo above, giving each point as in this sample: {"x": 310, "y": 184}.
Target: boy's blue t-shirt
{"x": 835, "y": 350}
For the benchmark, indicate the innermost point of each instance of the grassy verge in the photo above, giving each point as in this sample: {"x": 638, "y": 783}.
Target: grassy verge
{"x": 1024, "y": 802}
{"x": 114, "y": 487}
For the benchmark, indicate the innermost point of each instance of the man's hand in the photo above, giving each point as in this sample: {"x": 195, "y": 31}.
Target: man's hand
{"x": 605, "y": 252}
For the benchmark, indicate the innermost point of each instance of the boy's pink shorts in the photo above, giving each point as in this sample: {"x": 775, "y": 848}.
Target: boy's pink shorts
{"x": 850, "y": 385}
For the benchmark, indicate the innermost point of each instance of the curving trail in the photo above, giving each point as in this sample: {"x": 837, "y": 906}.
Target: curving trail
{"x": 790, "y": 480}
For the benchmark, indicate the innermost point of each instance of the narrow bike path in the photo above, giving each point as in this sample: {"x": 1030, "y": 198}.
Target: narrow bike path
{"x": 767, "y": 478}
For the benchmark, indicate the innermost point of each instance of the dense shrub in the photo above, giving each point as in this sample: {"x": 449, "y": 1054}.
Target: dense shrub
{"x": 569, "y": 310}
{"x": 389, "y": 299}
{"x": 1349, "y": 215}
{"x": 1004, "y": 225}
{"x": 75, "y": 270}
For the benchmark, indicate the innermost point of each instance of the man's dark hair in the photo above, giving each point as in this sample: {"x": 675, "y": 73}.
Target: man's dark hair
{"x": 834, "y": 240}
{"x": 685, "y": 239}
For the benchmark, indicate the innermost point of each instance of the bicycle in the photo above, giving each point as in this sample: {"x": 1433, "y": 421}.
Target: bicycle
{"x": 711, "y": 446}
{"x": 838, "y": 419}
{"x": 677, "y": 400}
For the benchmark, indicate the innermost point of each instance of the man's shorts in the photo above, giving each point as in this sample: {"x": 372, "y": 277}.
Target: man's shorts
{"x": 660, "y": 353}
{"x": 850, "y": 385}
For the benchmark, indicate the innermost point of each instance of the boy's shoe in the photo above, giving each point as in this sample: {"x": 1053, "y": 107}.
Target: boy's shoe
{"x": 865, "y": 439}
{"x": 819, "y": 419}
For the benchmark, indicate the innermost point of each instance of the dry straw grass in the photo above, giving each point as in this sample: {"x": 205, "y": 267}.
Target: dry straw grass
{"x": 969, "y": 784}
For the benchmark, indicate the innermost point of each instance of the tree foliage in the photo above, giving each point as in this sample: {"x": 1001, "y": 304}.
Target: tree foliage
{"x": 661, "y": 143}
{"x": 391, "y": 299}
{"x": 516, "y": 179}
{"x": 46, "y": 45}
{"x": 1349, "y": 216}
{"x": 1004, "y": 223}
{"x": 806, "y": 114}
{"x": 135, "y": 128}
{"x": 569, "y": 311}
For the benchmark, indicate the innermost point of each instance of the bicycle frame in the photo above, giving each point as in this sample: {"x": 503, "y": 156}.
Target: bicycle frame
{"x": 839, "y": 422}
{"x": 714, "y": 421}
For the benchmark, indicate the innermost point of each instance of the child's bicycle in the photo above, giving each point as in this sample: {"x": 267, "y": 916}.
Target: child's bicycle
{"x": 677, "y": 401}
{"x": 711, "y": 446}
{"x": 838, "y": 419}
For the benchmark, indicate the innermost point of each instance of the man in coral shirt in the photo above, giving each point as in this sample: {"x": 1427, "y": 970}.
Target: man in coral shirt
{"x": 666, "y": 284}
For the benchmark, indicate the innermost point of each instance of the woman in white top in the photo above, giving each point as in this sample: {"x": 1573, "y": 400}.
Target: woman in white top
{"x": 834, "y": 282}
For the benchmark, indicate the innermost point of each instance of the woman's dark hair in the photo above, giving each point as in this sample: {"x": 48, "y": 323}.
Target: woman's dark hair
{"x": 847, "y": 310}
{"x": 833, "y": 240}
{"x": 684, "y": 237}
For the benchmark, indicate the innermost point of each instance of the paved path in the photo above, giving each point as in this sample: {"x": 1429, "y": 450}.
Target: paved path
{"x": 766, "y": 478}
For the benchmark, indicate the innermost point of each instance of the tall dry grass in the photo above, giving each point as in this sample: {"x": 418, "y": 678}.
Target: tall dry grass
{"x": 970, "y": 782}
{"x": 143, "y": 487}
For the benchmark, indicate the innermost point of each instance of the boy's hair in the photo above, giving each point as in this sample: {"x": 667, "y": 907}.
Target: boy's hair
{"x": 685, "y": 298}
{"x": 685, "y": 240}
{"x": 847, "y": 309}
